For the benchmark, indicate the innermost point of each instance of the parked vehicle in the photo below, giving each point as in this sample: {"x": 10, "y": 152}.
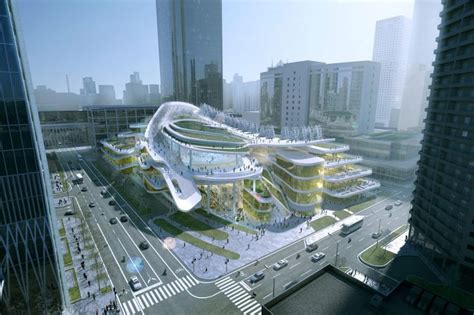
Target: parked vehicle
{"x": 389, "y": 207}
{"x": 69, "y": 212}
{"x": 112, "y": 202}
{"x": 92, "y": 205}
{"x": 398, "y": 203}
{"x": 256, "y": 277}
{"x": 123, "y": 218}
{"x": 84, "y": 189}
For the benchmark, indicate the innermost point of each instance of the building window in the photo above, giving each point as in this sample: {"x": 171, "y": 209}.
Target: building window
{"x": 464, "y": 133}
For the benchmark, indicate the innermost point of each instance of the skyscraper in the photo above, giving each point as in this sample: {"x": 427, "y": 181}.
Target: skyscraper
{"x": 29, "y": 259}
{"x": 135, "y": 92}
{"x": 190, "y": 47}
{"x": 88, "y": 86}
{"x": 419, "y": 66}
{"x": 442, "y": 216}
{"x": 106, "y": 95}
{"x": 391, "y": 42}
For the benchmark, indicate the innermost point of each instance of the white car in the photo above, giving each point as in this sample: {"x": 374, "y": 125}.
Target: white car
{"x": 280, "y": 264}
{"x": 376, "y": 235}
{"x": 398, "y": 203}
{"x": 135, "y": 283}
{"x": 318, "y": 256}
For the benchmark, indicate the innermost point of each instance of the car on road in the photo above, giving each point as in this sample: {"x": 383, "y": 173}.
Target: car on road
{"x": 123, "y": 218}
{"x": 135, "y": 283}
{"x": 69, "y": 212}
{"x": 256, "y": 277}
{"x": 376, "y": 235}
{"x": 113, "y": 221}
{"x": 280, "y": 264}
{"x": 388, "y": 207}
{"x": 318, "y": 256}
{"x": 103, "y": 192}
{"x": 398, "y": 203}
{"x": 92, "y": 205}
{"x": 84, "y": 189}
{"x": 112, "y": 203}
{"x": 144, "y": 245}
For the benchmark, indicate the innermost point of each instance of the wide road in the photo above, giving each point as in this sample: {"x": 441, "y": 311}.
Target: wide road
{"x": 178, "y": 291}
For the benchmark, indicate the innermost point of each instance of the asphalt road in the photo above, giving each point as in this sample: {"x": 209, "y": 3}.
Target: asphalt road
{"x": 179, "y": 291}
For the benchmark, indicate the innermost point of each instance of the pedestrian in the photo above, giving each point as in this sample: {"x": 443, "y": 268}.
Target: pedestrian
{"x": 88, "y": 294}
{"x": 93, "y": 296}
{"x": 88, "y": 282}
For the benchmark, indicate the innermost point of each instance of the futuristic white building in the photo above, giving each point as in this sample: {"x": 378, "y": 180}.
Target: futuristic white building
{"x": 201, "y": 157}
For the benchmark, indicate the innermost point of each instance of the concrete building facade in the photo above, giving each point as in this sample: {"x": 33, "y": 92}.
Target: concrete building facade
{"x": 442, "y": 216}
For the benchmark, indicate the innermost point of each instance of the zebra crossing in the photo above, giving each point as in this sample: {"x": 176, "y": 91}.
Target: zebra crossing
{"x": 239, "y": 296}
{"x": 157, "y": 295}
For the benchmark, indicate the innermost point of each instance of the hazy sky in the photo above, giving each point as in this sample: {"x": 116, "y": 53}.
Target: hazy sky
{"x": 109, "y": 39}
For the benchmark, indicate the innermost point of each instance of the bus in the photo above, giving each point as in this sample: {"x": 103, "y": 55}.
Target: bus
{"x": 352, "y": 224}
{"x": 79, "y": 178}
{"x": 311, "y": 242}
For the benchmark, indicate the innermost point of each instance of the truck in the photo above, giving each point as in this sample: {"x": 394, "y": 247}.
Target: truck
{"x": 79, "y": 178}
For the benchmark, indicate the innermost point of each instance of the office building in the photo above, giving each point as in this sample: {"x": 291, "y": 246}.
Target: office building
{"x": 106, "y": 121}
{"x": 190, "y": 47}
{"x": 154, "y": 95}
{"x": 65, "y": 129}
{"x": 135, "y": 93}
{"x": 106, "y": 95}
{"x": 419, "y": 67}
{"x": 392, "y": 156}
{"x": 341, "y": 97}
{"x": 245, "y": 96}
{"x": 391, "y": 42}
{"x": 31, "y": 262}
{"x": 50, "y": 100}
{"x": 442, "y": 216}
{"x": 88, "y": 86}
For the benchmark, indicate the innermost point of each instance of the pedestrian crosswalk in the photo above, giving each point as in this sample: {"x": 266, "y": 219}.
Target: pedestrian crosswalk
{"x": 157, "y": 295}
{"x": 239, "y": 296}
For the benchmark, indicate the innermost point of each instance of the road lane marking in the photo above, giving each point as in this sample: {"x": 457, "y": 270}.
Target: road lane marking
{"x": 186, "y": 281}
{"x": 293, "y": 266}
{"x": 191, "y": 279}
{"x": 236, "y": 293}
{"x": 179, "y": 286}
{"x": 268, "y": 295}
{"x": 221, "y": 281}
{"x": 171, "y": 289}
{"x": 304, "y": 273}
{"x": 349, "y": 246}
{"x": 361, "y": 239}
{"x": 163, "y": 293}
{"x": 247, "y": 305}
{"x": 168, "y": 292}
{"x": 325, "y": 248}
{"x": 254, "y": 310}
{"x": 152, "y": 293}
{"x": 175, "y": 287}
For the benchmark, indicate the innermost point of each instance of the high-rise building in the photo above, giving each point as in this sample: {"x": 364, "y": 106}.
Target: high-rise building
{"x": 154, "y": 95}
{"x": 442, "y": 216}
{"x": 30, "y": 258}
{"x": 309, "y": 93}
{"x": 190, "y": 47}
{"x": 106, "y": 95}
{"x": 419, "y": 67}
{"x": 244, "y": 96}
{"x": 88, "y": 86}
{"x": 135, "y": 92}
{"x": 391, "y": 42}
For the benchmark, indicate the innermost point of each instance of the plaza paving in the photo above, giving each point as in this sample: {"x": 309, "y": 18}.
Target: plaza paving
{"x": 250, "y": 247}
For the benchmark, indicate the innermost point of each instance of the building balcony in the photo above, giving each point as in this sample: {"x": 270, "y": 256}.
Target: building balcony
{"x": 121, "y": 167}
{"x": 155, "y": 180}
{"x": 361, "y": 187}
{"x": 119, "y": 148}
{"x": 130, "y": 134}
{"x": 342, "y": 160}
{"x": 328, "y": 148}
{"x": 346, "y": 175}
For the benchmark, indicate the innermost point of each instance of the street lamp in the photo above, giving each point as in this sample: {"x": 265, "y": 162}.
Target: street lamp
{"x": 273, "y": 279}
{"x": 378, "y": 234}
{"x": 226, "y": 262}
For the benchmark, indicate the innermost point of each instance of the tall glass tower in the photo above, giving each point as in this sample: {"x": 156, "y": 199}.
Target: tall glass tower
{"x": 442, "y": 217}
{"x": 29, "y": 261}
{"x": 190, "y": 46}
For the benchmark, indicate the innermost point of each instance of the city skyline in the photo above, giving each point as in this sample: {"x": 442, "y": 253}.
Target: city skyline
{"x": 62, "y": 29}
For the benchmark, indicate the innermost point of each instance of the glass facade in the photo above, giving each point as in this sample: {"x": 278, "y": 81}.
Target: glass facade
{"x": 25, "y": 224}
{"x": 190, "y": 47}
{"x": 270, "y": 100}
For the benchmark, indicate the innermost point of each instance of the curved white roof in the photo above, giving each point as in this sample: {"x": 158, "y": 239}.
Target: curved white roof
{"x": 300, "y": 158}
